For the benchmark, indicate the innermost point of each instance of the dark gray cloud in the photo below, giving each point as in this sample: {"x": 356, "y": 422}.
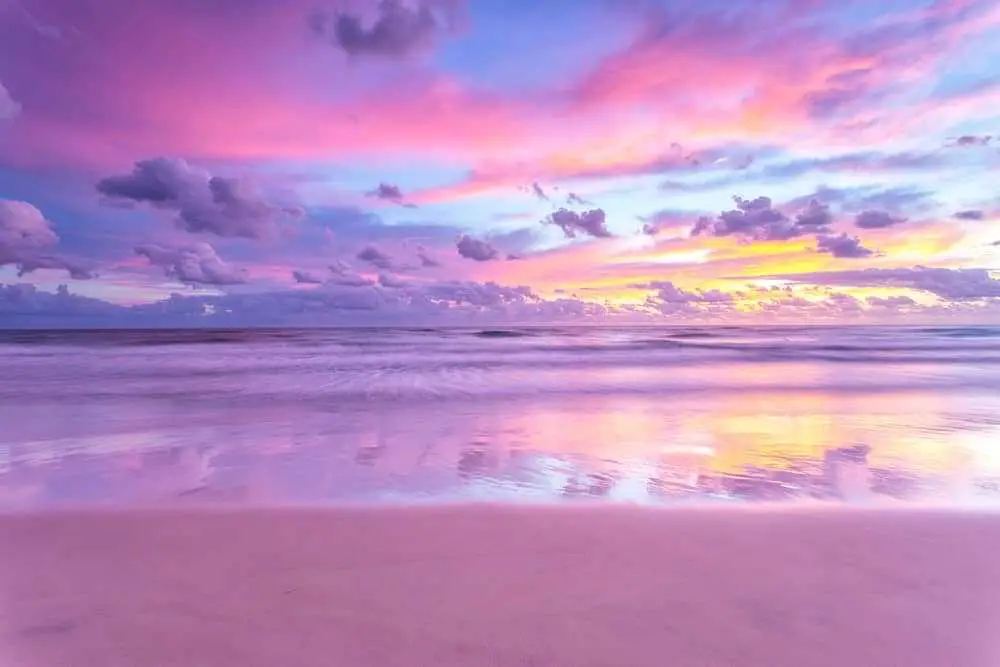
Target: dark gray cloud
{"x": 475, "y": 249}
{"x": 950, "y": 284}
{"x": 306, "y": 278}
{"x": 196, "y": 264}
{"x": 842, "y": 245}
{"x": 398, "y": 30}
{"x": 376, "y": 258}
{"x": 757, "y": 219}
{"x": 204, "y": 203}
{"x": 876, "y": 219}
{"x": 590, "y": 223}
{"x": 970, "y": 214}
{"x": 26, "y": 241}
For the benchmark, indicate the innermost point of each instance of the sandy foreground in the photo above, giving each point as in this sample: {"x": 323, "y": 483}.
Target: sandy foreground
{"x": 485, "y": 585}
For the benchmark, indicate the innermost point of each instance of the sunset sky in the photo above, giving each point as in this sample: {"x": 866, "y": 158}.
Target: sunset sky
{"x": 389, "y": 161}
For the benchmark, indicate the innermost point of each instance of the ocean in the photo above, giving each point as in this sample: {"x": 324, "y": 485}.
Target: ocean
{"x": 570, "y": 414}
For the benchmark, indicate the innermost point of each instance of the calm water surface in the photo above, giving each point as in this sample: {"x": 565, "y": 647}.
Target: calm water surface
{"x": 651, "y": 415}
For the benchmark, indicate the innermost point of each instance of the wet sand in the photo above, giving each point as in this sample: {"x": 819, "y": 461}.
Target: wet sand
{"x": 480, "y": 585}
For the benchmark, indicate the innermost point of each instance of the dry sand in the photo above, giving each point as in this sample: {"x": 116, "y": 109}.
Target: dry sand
{"x": 469, "y": 586}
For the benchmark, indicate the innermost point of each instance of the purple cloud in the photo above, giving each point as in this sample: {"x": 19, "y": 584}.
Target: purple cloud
{"x": 843, "y": 246}
{"x": 26, "y": 304}
{"x": 197, "y": 264}
{"x": 376, "y": 258}
{"x": 26, "y": 236}
{"x": 951, "y": 284}
{"x": 344, "y": 276}
{"x": 389, "y": 192}
{"x": 306, "y": 278}
{"x": 815, "y": 215}
{"x": 426, "y": 261}
{"x": 390, "y": 281}
{"x": 971, "y": 214}
{"x": 537, "y": 190}
{"x": 400, "y": 28}
{"x": 891, "y": 302}
{"x": 575, "y": 199}
{"x": 8, "y": 106}
{"x": 591, "y": 223}
{"x": 972, "y": 140}
{"x": 757, "y": 219}
{"x": 487, "y": 295}
{"x": 475, "y": 249}
{"x": 672, "y": 300}
{"x": 875, "y": 219}
{"x": 217, "y": 205}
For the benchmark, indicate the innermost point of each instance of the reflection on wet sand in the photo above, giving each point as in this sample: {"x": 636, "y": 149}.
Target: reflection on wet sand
{"x": 754, "y": 448}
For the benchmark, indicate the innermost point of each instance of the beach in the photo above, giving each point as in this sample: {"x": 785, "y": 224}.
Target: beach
{"x": 470, "y": 585}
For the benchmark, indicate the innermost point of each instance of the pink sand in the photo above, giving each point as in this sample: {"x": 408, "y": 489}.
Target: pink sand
{"x": 469, "y": 586}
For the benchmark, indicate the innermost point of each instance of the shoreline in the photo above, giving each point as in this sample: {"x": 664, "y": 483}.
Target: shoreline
{"x": 489, "y": 584}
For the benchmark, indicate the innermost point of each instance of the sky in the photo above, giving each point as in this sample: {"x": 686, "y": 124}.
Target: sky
{"x": 188, "y": 162}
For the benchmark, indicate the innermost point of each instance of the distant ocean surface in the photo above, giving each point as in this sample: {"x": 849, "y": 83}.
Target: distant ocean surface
{"x": 577, "y": 414}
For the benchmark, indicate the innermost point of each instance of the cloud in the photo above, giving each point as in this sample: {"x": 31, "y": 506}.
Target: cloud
{"x": 970, "y": 214}
{"x": 389, "y": 192}
{"x": 76, "y": 270}
{"x": 400, "y": 28}
{"x": 472, "y": 248}
{"x": 575, "y": 199}
{"x": 23, "y": 229}
{"x": 672, "y": 300}
{"x": 590, "y": 223}
{"x": 950, "y": 284}
{"x": 196, "y": 264}
{"x": 814, "y": 216}
{"x": 972, "y": 140}
{"x": 26, "y": 304}
{"x": 391, "y": 281}
{"x": 677, "y": 221}
{"x": 426, "y": 261}
{"x": 217, "y": 205}
{"x": 843, "y": 246}
{"x": 486, "y": 295}
{"x": 376, "y": 257}
{"x": 343, "y": 276}
{"x": 757, "y": 219}
{"x": 891, "y": 302}
{"x": 26, "y": 237}
{"x": 9, "y": 108}
{"x": 875, "y": 219}
{"x": 537, "y": 190}
{"x": 306, "y": 278}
